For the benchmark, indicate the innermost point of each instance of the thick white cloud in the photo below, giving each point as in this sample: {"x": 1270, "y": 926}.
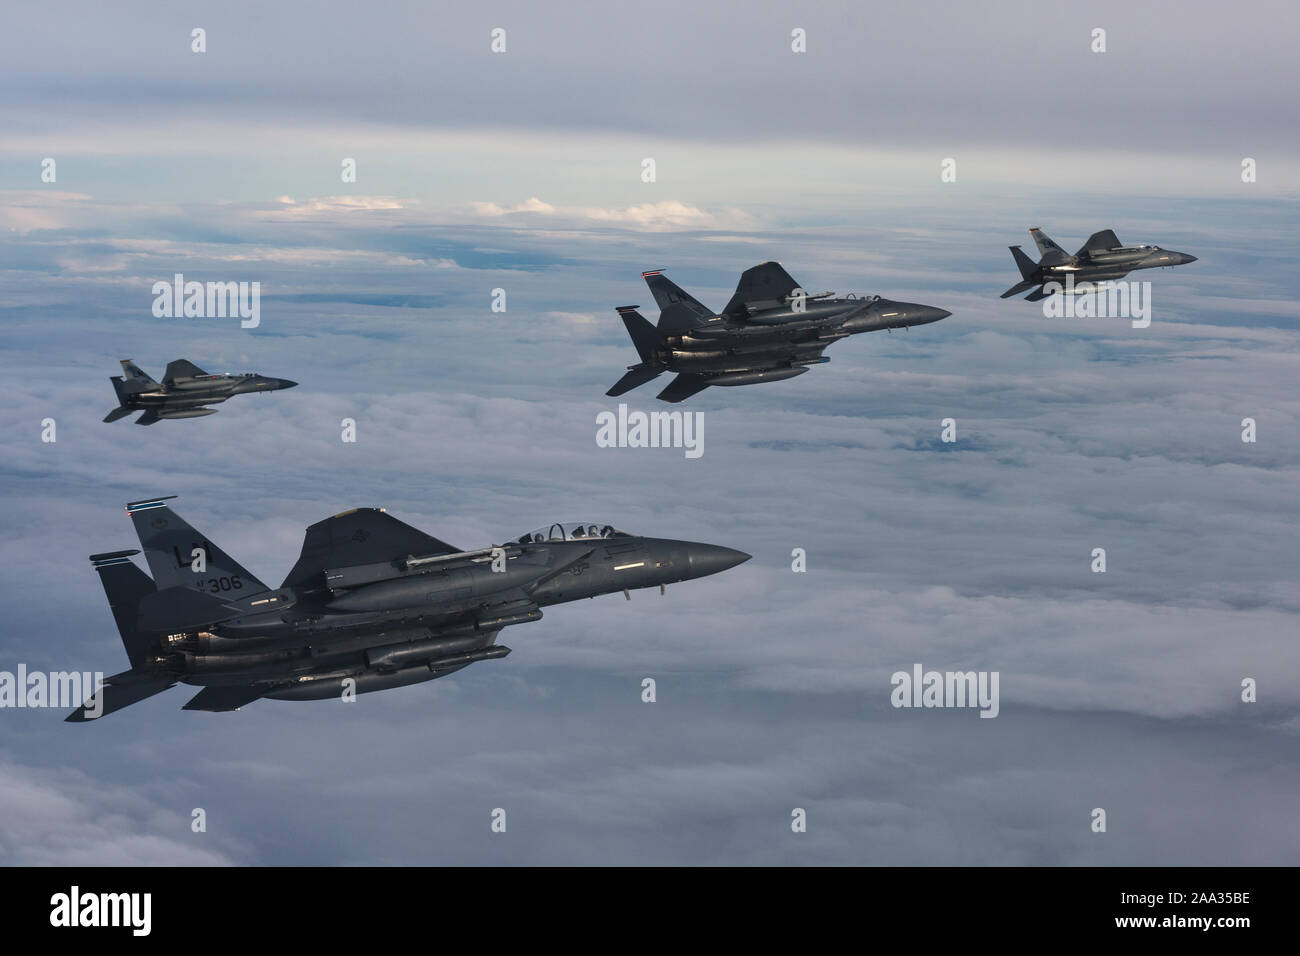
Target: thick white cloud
{"x": 64, "y": 817}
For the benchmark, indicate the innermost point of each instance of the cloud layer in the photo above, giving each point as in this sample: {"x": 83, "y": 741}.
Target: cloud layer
{"x": 1119, "y": 690}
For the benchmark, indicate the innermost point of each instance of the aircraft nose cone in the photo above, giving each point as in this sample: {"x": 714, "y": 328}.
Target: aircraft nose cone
{"x": 711, "y": 558}
{"x": 1187, "y": 258}
{"x": 901, "y": 314}
{"x": 924, "y": 314}
{"x": 285, "y": 383}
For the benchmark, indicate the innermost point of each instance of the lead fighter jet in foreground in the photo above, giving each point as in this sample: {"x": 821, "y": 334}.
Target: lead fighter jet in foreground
{"x": 183, "y": 392}
{"x": 1102, "y": 259}
{"x": 371, "y": 604}
{"x": 770, "y": 330}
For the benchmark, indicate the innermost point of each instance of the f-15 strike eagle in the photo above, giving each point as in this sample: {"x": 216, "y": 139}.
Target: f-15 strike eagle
{"x": 770, "y": 330}
{"x": 1103, "y": 258}
{"x": 183, "y": 392}
{"x": 371, "y": 604}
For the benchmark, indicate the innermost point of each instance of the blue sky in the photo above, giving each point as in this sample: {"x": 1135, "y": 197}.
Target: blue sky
{"x": 522, "y": 172}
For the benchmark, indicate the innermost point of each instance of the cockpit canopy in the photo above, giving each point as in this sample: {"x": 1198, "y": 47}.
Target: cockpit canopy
{"x": 571, "y": 531}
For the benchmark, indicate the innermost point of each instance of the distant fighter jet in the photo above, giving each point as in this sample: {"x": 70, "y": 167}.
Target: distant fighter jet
{"x": 183, "y": 392}
{"x": 1101, "y": 259}
{"x": 371, "y": 604}
{"x": 770, "y": 330}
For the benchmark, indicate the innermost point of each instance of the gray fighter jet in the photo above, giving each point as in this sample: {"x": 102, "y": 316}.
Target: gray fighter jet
{"x": 183, "y": 392}
{"x": 770, "y": 330}
{"x": 371, "y": 604}
{"x": 1103, "y": 258}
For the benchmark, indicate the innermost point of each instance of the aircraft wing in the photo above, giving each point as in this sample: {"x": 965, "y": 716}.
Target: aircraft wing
{"x": 221, "y": 698}
{"x": 1100, "y": 242}
{"x": 360, "y": 536}
{"x": 765, "y": 283}
{"x": 181, "y": 368}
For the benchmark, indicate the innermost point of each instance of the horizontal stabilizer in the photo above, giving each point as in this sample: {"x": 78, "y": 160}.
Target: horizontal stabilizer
{"x": 218, "y": 699}
{"x": 1019, "y": 287}
{"x": 113, "y": 697}
{"x": 1036, "y": 295}
{"x": 635, "y": 378}
{"x": 117, "y": 413}
{"x": 148, "y": 418}
{"x": 683, "y": 387}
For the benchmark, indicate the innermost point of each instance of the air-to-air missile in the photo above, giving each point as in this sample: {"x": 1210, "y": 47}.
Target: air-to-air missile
{"x": 183, "y": 392}
{"x": 371, "y": 604}
{"x": 770, "y": 330}
{"x": 1103, "y": 258}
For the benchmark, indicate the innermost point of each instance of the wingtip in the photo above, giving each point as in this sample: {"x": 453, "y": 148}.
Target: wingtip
{"x": 113, "y": 555}
{"x": 147, "y": 503}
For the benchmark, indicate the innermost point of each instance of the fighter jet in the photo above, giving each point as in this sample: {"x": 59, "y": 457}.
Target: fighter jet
{"x": 183, "y": 392}
{"x": 770, "y": 330}
{"x": 371, "y": 604}
{"x": 1102, "y": 258}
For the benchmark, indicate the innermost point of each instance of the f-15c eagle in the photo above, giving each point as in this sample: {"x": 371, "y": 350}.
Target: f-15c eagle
{"x": 770, "y": 330}
{"x": 1102, "y": 258}
{"x": 183, "y": 392}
